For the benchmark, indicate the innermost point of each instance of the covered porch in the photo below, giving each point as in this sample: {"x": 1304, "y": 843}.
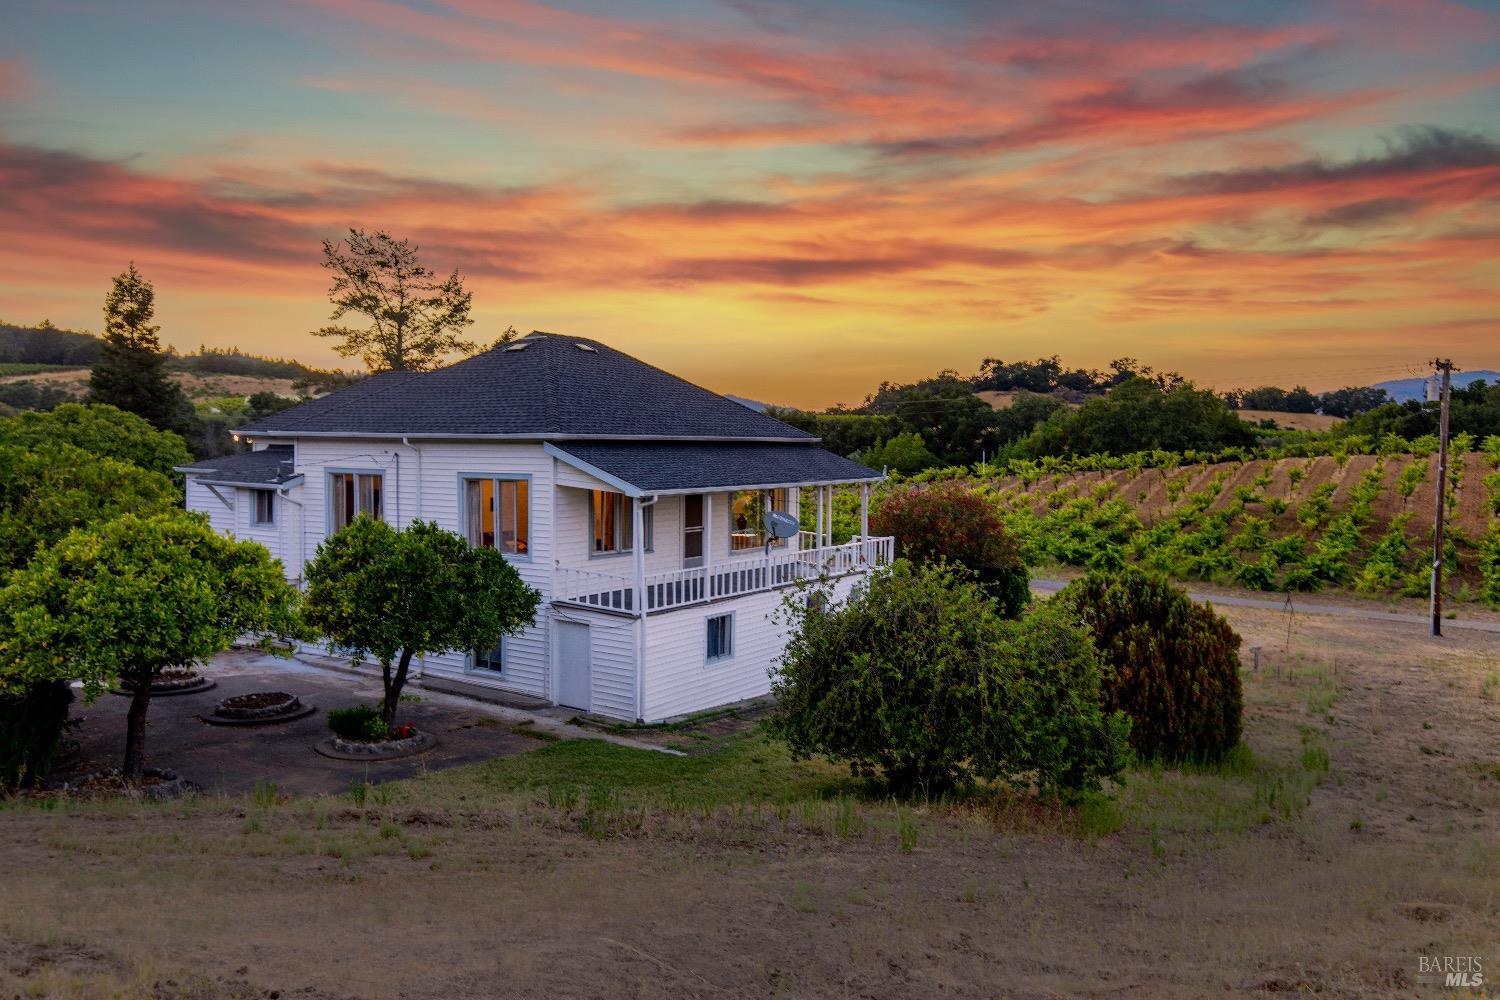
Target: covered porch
{"x": 691, "y": 517}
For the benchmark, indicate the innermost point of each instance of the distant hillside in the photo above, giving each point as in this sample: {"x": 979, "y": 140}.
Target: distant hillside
{"x": 1404, "y": 390}
{"x": 753, "y": 404}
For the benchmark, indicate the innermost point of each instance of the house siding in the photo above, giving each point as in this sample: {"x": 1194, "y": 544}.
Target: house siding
{"x": 436, "y": 498}
{"x": 678, "y": 679}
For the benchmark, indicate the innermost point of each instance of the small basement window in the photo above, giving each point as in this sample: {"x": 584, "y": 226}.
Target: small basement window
{"x": 720, "y": 641}
{"x": 265, "y": 507}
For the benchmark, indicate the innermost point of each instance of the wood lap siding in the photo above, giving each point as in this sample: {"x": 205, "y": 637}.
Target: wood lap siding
{"x": 679, "y": 682}
{"x": 526, "y": 665}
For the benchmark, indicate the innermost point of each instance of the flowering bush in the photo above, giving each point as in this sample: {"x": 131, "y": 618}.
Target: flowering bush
{"x": 949, "y": 522}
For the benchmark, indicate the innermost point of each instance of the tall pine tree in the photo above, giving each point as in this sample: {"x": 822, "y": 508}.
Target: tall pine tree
{"x": 131, "y": 372}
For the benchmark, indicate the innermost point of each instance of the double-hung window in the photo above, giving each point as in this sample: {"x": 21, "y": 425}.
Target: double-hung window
{"x": 264, "y": 512}
{"x": 498, "y": 514}
{"x": 719, "y": 641}
{"x": 747, "y": 517}
{"x": 611, "y": 514}
{"x": 352, "y": 494}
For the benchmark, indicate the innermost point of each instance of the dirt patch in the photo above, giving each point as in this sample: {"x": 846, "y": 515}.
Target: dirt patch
{"x": 194, "y": 384}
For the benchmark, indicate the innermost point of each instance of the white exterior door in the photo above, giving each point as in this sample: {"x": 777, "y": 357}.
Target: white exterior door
{"x": 574, "y": 649}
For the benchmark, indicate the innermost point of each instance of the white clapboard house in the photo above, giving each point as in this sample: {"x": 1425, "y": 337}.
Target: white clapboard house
{"x": 632, "y": 499}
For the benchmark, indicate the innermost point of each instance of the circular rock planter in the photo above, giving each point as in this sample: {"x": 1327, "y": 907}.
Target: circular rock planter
{"x": 159, "y": 784}
{"x": 258, "y": 708}
{"x": 169, "y": 682}
{"x": 338, "y": 748}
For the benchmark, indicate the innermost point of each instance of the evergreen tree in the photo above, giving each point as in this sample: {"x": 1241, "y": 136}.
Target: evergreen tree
{"x": 131, "y": 372}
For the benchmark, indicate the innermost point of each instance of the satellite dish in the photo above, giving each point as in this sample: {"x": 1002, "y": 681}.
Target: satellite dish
{"x": 781, "y": 525}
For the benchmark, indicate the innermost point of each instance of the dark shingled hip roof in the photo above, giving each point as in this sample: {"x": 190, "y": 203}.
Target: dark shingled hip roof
{"x": 689, "y": 466}
{"x": 544, "y": 386}
{"x": 269, "y": 467}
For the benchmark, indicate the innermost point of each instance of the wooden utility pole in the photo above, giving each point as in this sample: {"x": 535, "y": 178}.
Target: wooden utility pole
{"x": 1445, "y": 366}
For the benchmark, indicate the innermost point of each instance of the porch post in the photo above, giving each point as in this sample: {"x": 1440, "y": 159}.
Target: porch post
{"x": 708, "y": 545}
{"x": 819, "y": 542}
{"x": 832, "y": 492}
{"x": 794, "y": 506}
{"x": 864, "y": 512}
{"x": 638, "y": 557}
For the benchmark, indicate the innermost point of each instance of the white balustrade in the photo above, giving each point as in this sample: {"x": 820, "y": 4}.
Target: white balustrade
{"x": 743, "y": 574}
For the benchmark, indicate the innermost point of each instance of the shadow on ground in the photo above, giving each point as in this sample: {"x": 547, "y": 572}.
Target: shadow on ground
{"x": 232, "y": 759}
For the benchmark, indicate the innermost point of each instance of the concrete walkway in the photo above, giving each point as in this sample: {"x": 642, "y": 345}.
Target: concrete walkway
{"x": 233, "y": 759}
{"x": 1310, "y": 608}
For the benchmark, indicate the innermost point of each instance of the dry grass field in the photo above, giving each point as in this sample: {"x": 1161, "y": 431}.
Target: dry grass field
{"x": 1356, "y": 834}
{"x": 194, "y": 384}
{"x": 1291, "y": 421}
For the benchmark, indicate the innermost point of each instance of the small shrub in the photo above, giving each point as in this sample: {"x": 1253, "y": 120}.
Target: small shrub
{"x": 949, "y": 522}
{"x": 1176, "y": 663}
{"x": 31, "y": 730}
{"x": 362, "y": 724}
{"x": 919, "y": 680}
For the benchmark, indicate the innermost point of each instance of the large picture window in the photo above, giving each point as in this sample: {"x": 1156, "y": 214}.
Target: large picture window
{"x": 747, "y": 517}
{"x": 611, "y": 514}
{"x": 352, "y": 494}
{"x": 498, "y": 514}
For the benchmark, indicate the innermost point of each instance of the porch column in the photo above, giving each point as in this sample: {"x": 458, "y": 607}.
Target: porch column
{"x": 832, "y": 492}
{"x": 819, "y": 542}
{"x": 794, "y": 506}
{"x": 864, "y": 511}
{"x": 708, "y": 545}
{"x": 638, "y": 557}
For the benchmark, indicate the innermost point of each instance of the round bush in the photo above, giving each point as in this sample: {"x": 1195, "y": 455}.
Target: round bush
{"x": 948, "y": 522}
{"x": 918, "y": 678}
{"x": 1176, "y": 663}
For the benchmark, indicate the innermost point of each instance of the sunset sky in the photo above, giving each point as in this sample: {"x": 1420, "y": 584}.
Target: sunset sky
{"x": 789, "y": 201}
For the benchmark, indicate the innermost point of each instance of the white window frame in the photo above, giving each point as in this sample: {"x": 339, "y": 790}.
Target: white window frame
{"x": 768, "y": 498}
{"x": 255, "y": 518}
{"x": 357, "y": 473}
{"x": 465, "y": 478}
{"x": 624, "y": 523}
{"x": 500, "y": 671}
{"x": 708, "y": 623}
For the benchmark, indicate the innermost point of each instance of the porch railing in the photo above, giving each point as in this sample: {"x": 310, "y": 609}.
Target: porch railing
{"x": 731, "y": 578}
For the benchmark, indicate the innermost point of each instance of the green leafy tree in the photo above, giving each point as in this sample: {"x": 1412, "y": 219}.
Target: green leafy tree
{"x": 46, "y": 493}
{"x": 131, "y": 372}
{"x": 100, "y": 430}
{"x": 905, "y": 453}
{"x": 395, "y": 595}
{"x": 130, "y": 598}
{"x": 413, "y": 319}
{"x": 917, "y": 679}
{"x": 1141, "y": 415}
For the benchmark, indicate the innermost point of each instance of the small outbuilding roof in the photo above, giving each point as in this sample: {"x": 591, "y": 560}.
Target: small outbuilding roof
{"x": 272, "y": 466}
{"x": 643, "y": 468}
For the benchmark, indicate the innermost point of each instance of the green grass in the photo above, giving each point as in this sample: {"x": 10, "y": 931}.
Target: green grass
{"x": 29, "y": 368}
{"x": 748, "y": 768}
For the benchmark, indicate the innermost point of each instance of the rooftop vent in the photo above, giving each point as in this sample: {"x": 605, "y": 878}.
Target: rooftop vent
{"x": 585, "y": 347}
{"x": 517, "y": 347}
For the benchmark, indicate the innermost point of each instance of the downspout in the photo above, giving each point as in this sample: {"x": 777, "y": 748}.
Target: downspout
{"x": 301, "y": 532}
{"x": 638, "y": 534}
